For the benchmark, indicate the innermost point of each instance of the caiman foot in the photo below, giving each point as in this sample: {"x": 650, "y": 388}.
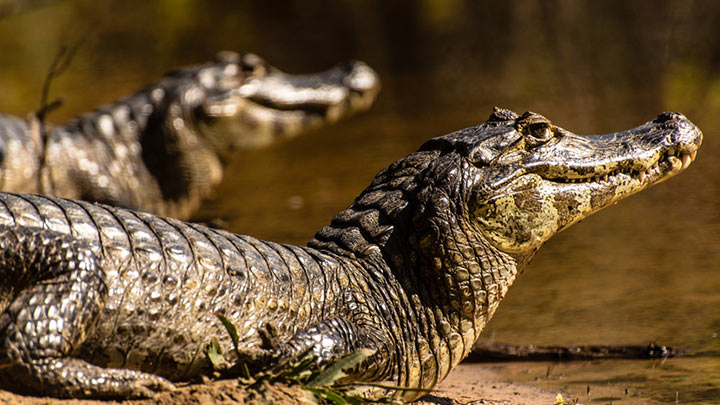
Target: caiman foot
{"x": 328, "y": 341}
{"x": 75, "y": 378}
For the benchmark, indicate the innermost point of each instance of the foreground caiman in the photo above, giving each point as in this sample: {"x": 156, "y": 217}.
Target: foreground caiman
{"x": 108, "y": 302}
{"x": 162, "y": 149}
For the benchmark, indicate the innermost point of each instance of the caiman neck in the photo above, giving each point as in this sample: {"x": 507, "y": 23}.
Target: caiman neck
{"x": 431, "y": 249}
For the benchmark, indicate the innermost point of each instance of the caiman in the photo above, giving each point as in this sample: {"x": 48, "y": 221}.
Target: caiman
{"x": 107, "y": 302}
{"x": 163, "y": 149}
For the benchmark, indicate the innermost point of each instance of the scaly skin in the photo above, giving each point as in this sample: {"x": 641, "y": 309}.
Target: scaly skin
{"x": 107, "y": 302}
{"x": 163, "y": 149}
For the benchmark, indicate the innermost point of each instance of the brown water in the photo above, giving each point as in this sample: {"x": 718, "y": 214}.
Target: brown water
{"x": 645, "y": 270}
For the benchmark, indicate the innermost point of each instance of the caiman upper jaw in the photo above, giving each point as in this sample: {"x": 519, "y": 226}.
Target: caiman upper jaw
{"x": 653, "y": 151}
{"x": 672, "y": 158}
{"x": 349, "y": 86}
{"x": 267, "y": 104}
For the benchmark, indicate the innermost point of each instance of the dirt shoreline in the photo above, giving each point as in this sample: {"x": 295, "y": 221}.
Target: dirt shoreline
{"x": 468, "y": 384}
{"x": 474, "y": 383}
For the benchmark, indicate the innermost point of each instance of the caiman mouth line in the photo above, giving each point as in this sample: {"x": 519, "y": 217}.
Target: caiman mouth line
{"x": 353, "y": 99}
{"x": 266, "y": 108}
{"x": 309, "y": 109}
{"x": 672, "y": 158}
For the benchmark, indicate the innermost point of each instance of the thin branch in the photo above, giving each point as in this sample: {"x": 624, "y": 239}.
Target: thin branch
{"x": 38, "y": 127}
{"x": 59, "y": 65}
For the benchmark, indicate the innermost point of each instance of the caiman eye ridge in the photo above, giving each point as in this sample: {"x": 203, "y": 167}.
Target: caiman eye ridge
{"x": 685, "y": 159}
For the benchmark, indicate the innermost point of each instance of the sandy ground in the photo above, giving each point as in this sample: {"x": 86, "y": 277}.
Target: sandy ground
{"x": 472, "y": 383}
{"x": 467, "y": 384}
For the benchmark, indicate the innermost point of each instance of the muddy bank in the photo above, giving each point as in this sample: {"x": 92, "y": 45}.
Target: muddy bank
{"x": 467, "y": 384}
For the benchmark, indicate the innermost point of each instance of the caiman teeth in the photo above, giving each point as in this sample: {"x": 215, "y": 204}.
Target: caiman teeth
{"x": 674, "y": 157}
{"x": 686, "y": 159}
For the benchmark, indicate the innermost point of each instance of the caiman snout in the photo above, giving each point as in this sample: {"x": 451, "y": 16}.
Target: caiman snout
{"x": 360, "y": 77}
{"x": 316, "y": 92}
{"x": 670, "y": 116}
{"x": 683, "y": 135}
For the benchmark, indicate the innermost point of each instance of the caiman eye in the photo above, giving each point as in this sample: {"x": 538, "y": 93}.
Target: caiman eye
{"x": 540, "y": 132}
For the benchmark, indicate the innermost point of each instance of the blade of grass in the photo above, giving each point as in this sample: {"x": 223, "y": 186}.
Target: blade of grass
{"x": 334, "y": 371}
{"x": 231, "y": 329}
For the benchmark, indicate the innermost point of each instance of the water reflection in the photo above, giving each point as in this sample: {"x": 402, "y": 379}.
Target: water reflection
{"x": 644, "y": 270}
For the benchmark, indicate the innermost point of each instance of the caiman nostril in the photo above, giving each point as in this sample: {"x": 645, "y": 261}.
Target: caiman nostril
{"x": 361, "y": 77}
{"x": 680, "y": 132}
{"x": 669, "y": 116}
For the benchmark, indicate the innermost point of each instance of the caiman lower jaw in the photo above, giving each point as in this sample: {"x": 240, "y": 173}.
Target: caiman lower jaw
{"x": 295, "y": 117}
{"x": 238, "y": 106}
{"x": 307, "y": 109}
{"x": 667, "y": 165}
{"x": 247, "y": 122}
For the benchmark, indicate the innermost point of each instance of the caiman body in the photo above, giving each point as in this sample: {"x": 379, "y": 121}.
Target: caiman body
{"x": 163, "y": 149}
{"x": 108, "y": 302}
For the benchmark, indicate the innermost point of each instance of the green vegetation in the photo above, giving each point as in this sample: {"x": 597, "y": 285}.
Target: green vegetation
{"x": 562, "y": 401}
{"x": 320, "y": 380}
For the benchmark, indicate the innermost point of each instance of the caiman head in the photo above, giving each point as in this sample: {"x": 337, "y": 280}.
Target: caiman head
{"x": 530, "y": 179}
{"x": 258, "y": 103}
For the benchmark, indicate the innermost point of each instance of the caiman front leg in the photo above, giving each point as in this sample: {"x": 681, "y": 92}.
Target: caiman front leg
{"x": 327, "y": 341}
{"x": 56, "y": 292}
{"x": 332, "y": 339}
